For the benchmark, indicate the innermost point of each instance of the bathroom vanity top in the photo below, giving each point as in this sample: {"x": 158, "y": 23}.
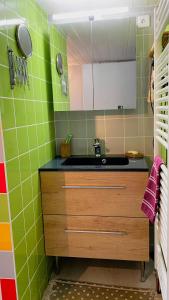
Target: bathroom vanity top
{"x": 56, "y": 164}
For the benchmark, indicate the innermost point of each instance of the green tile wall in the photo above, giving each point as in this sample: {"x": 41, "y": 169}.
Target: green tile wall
{"x": 4, "y": 215}
{"x": 58, "y": 45}
{"x": 29, "y": 140}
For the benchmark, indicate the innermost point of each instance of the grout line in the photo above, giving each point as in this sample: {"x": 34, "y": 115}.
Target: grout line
{"x": 26, "y": 262}
{"x": 26, "y": 126}
{"x": 4, "y": 66}
{"x": 108, "y": 137}
{"x": 22, "y": 211}
{"x": 19, "y": 168}
{"x": 124, "y": 117}
{"x": 28, "y": 152}
{"x": 24, "y": 237}
{"x": 32, "y": 279}
{"x": 27, "y": 99}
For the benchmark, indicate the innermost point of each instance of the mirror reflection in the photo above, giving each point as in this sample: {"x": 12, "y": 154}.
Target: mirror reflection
{"x": 101, "y": 64}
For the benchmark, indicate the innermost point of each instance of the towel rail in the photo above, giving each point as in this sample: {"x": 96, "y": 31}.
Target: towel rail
{"x": 162, "y": 125}
{"x": 161, "y": 144}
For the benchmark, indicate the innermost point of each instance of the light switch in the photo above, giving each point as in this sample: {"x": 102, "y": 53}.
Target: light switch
{"x": 143, "y": 21}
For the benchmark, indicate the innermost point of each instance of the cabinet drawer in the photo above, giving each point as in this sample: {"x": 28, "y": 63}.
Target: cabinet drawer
{"x": 93, "y": 193}
{"x": 97, "y": 237}
{"x": 51, "y": 182}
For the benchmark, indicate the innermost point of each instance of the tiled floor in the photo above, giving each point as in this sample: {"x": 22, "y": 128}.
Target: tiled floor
{"x": 107, "y": 272}
{"x": 121, "y": 273}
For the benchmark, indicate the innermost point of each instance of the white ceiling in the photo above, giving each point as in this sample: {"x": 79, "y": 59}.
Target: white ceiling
{"x": 62, "y": 6}
{"x": 106, "y": 41}
{"x": 111, "y": 40}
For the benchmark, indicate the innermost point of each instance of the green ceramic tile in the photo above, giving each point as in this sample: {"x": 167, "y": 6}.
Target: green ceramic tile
{"x": 18, "y": 229}
{"x": 39, "y": 111}
{"x": 49, "y": 151}
{"x": 8, "y": 114}
{"x": 32, "y": 263}
{"x": 22, "y": 134}
{"x": 27, "y": 295}
{"x": 39, "y": 229}
{"x": 29, "y": 91}
{"x": 10, "y": 144}
{"x": 20, "y": 112}
{"x": 29, "y": 216}
{"x": 31, "y": 240}
{"x": 37, "y": 207}
{"x": 47, "y": 132}
{"x": 20, "y": 255}
{"x": 60, "y": 42}
{"x": 23, "y": 281}
{"x": 15, "y": 200}
{"x": 19, "y": 91}
{"x": 36, "y": 66}
{"x": 25, "y": 169}
{"x": 34, "y": 159}
{"x": 32, "y": 135}
{"x": 36, "y": 184}
{"x": 13, "y": 173}
{"x": 40, "y": 250}
{"x": 48, "y": 71}
{"x": 35, "y": 287}
{"x": 40, "y": 134}
{"x": 4, "y": 215}
{"x": 42, "y": 155}
{"x": 27, "y": 192}
{"x": 11, "y": 29}
{"x": 44, "y": 91}
{"x": 43, "y": 270}
{"x": 37, "y": 89}
{"x": 5, "y": 89}
{"x": 13, "y": 45}
{"x": 30, "y": 112}
{"x": 3, "y": 45}
{"x": 46, "y": 111}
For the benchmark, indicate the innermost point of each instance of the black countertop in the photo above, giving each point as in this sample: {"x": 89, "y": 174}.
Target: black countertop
{"x": 134, "y": 165}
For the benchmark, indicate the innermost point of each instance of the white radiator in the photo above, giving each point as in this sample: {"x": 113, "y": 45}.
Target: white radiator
{"x": 161, "y": 143}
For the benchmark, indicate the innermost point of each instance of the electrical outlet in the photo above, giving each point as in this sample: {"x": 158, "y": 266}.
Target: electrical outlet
{"x": 143, "y": 21}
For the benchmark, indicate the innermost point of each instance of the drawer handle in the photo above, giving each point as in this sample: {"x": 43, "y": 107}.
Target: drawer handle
{"x": 114, "y": 187}
{"x": 117, "y": 233}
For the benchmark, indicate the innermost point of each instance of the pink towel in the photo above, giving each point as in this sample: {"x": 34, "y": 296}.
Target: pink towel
{"x": 151, "y": 196}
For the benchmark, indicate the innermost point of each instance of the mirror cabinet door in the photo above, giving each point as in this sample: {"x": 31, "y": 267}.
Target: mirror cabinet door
{"x": 114, "y": 64}
{"x": 79, "y": 52}
{"x": 101, "y": 58}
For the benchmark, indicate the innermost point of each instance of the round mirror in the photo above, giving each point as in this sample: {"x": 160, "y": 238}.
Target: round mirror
{"x": 24, "y": 40}
{"x": 59, "y": 64}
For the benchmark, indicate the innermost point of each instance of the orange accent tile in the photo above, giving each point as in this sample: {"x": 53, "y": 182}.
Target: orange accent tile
{"x": 5, "y": 237}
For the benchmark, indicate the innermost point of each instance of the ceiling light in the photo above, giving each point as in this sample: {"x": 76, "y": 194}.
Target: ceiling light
{"x": 83, "y": 16}
{"x": 11, "y": 22}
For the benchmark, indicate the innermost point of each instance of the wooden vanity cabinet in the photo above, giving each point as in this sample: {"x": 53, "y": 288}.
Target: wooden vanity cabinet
{"x": 95, "y": 214}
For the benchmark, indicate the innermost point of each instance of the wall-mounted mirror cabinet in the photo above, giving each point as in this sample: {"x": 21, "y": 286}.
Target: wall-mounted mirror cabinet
{"x": 101, "y": 58}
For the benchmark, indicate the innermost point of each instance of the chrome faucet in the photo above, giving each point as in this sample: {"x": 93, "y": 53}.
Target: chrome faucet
{"x": 97, "y": 148}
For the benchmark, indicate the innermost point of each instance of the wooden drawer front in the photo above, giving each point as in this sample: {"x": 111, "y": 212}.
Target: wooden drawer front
{"x": 51, "y": 182}
{"x": 97, "y": 237}
{"x": 113, "y": 194}
{"x": 92, "y": 202}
